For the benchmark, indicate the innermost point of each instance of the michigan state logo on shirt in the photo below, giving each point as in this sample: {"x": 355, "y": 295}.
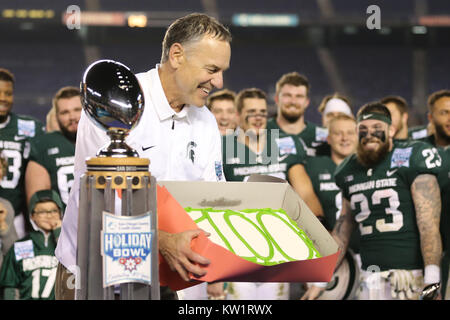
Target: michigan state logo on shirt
{"x": 190, "y": 152}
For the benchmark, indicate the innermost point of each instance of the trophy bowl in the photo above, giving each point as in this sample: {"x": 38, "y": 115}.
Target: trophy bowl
{"x": 113, "y": 100}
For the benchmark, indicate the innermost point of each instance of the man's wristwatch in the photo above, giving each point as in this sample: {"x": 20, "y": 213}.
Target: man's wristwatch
{"x": 430, "y": 292}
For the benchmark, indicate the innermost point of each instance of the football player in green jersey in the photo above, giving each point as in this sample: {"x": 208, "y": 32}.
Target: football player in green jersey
{"x": 15, "y": 132}
{"x": 30, "y": 265}
{"x": 439, "y": 117}
{"x": 51, "y": 160}
{"x": 291, "y": 98}
{"x": 342, "y": 140}
{"x": 391, "y": 192}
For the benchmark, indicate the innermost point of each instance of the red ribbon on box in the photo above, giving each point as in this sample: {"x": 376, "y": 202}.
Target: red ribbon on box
{"x": 225, "y": 265}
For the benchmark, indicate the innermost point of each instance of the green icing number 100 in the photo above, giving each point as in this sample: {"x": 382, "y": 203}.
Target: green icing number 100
{"x": 261, "y": 228}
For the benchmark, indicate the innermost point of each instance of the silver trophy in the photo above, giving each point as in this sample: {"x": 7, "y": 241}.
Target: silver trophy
{"x": 113, "y": 99}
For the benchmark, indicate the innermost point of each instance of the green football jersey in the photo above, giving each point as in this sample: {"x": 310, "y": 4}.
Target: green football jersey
{"x": 444, "y": 183}
{"x": 418, "y": 132}
{"x": 30, "y": 266}
{"x": 15, "y": 146}
{"x": 382, "y": 205}
{"x": 55, "y": 153}
{"x": 321, "y": 172}
{"x": 313, "y": 136}
{"x": 239, "y": 162}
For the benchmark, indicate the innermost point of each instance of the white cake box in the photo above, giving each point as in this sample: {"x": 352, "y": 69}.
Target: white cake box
{"x": 254, "y": 195}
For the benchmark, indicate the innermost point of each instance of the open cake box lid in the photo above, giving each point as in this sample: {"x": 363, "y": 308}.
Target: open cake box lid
{"x": 174, "y": 196}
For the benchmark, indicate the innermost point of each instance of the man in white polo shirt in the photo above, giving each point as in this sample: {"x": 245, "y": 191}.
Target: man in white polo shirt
{"x": 176, "y": 132}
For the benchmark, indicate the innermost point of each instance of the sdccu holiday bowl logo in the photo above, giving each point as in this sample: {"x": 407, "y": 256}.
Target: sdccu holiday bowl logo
{"x": 126, "y": 247}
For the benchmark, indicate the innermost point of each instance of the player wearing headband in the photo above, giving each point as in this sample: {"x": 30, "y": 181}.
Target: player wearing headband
{"x": 390, "y": 192}
{"x": 332, "y": 106}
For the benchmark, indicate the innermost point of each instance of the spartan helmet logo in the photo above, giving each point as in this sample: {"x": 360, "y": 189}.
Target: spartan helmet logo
{"x": 190, "y": 153}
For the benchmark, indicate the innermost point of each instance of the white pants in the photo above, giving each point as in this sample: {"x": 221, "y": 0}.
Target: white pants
{"x": 197, "y": 292}
{"x": 376, "y": 285}
{"x": 241, "y": 291}
{"x": 258, "y": 291}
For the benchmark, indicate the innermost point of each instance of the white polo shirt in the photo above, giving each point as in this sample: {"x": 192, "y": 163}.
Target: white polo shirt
{"x": 181, "y": 146}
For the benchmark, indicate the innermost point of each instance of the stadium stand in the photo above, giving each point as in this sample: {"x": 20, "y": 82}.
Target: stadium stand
{"x": 152, "y": 5}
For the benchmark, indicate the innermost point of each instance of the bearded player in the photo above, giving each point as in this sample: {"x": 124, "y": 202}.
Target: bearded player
{"x": 390, "y": 191}
{"x": 292, "y": 99}
{"x": 52, "y": 154}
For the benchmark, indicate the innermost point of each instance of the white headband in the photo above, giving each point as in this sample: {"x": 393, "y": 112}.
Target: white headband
{"x": 337, "y": 105}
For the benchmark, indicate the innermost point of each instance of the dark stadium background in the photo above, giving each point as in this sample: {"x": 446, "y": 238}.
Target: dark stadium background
{"x": 328, "y": 42}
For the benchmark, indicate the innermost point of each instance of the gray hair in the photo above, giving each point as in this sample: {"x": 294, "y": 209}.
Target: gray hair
{"x": 192, "y": 28}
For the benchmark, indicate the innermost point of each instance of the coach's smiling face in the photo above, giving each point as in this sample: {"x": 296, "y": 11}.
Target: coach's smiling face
{"x": 199, "y": 67}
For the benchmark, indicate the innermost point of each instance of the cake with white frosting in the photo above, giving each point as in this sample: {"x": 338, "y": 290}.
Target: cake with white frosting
{"x": 263, "y": 236}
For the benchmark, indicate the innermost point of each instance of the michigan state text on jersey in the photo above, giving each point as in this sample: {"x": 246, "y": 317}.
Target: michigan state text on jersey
{"x": 382, "y": 204}
{"x": 14, "y": 143}
{"x": 30, "y": 265}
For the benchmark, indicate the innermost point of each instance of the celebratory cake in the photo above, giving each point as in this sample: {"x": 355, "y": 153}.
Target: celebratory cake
{"x": 263, "y": 236}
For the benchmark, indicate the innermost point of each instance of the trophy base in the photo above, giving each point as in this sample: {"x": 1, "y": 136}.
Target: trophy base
{"x": 90, "y": 248}
{"x": 120, "y": 170}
